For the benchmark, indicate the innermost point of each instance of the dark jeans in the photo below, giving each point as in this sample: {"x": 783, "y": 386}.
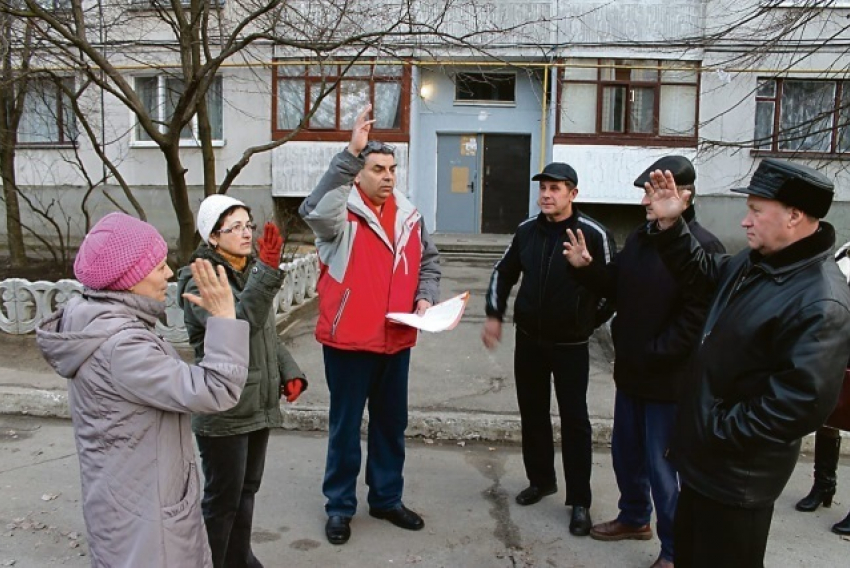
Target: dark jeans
{"x": 710, "y": 534}
{"x": 355, "y": 377}
{"x": 642, "y": 431}
{"x": 535, "y": 364}
{"x": 233, "y": 469}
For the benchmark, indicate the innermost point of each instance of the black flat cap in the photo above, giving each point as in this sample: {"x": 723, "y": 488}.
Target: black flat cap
{"x": 682, "y": 169}
{"x": 558, "y": 171}
{"x": 793, "y": 184}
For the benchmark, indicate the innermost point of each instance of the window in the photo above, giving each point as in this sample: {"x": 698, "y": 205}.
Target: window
{"x": 485, "y": 88}
{"x": 161, "y": 4}
{"x": 794, "y": 115}
{"x": 160, "y": 95}
{"x": 48, "y": 117}
{"x": 628, "y": 101}
{"x": 298, "y": 87}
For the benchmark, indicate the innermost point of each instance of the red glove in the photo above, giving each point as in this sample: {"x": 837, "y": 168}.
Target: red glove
{"x": 270, "y": 245}
{"x": 292, "y": 389}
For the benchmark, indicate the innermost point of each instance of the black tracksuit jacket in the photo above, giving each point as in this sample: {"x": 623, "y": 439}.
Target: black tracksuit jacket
{"x": 551, "y": 305}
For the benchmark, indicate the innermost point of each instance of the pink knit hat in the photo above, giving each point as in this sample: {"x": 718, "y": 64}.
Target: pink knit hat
{"x": 118, "y": 252}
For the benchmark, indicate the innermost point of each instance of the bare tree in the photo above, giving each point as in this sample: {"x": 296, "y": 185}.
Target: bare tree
{"x": 191, "y": 40}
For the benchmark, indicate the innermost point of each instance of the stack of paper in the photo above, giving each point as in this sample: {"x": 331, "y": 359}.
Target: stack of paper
{"x": 441, "y": 317}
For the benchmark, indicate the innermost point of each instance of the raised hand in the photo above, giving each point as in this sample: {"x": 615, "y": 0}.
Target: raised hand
{"x": 215, "y": 294}
{"x": 360, "y": 132}
{"x": 270, "y": 245}
{"x": 576, "y": 250}
{"x": 667, "y": 203}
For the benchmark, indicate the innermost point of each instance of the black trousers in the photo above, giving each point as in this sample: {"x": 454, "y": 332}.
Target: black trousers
{"x": 233, "y": 469}
{"x": 536, "y": 364}
{"x": 707, "y": 533}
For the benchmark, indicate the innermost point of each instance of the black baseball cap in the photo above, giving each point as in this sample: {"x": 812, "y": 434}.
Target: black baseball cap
{"x": 558, "y": 171}
{"x": 682, "y": 169}
{"x": 793, "y": 184}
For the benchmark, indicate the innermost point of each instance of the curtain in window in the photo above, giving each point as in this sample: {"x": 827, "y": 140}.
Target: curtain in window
{"x": 39, "y": 123}
{"x": 578, "y": 108}
{"x": 613, "y": 109}
{"x": 174, "y": 88}
{"x": 387, "y": 110}
{"x": 353, "y": 97}
{"x": 844, "y": 119}
{"x": 325, "y": 116}
{"x": 677, "y": 110}
{"x": 642, "y": 110}
{"x": 290, "y": 103}
{"x": 805, "y": 120}
{"x": 146, "y": 88}
{"x": 215, "y": 109}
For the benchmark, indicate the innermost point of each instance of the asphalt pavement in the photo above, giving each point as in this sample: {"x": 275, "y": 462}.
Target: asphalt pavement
{"x": 463, "y": 469}
{"x": 464, "y": 492}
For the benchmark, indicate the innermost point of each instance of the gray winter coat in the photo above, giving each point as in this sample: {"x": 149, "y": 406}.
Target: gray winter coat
{"x": 130, "y": 396}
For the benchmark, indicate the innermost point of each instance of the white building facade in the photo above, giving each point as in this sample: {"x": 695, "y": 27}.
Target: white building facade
{"x": 607, "y": 87}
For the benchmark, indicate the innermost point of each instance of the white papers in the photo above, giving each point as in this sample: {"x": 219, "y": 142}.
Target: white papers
{"x": 441, "y": 317}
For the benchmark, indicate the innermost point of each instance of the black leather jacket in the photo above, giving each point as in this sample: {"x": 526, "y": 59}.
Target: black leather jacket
{"x": 769, "y": 365}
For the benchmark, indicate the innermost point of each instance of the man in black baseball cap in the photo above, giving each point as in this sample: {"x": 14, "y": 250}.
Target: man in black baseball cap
{"x": 558, "y": 171}
{"x": 554, "y": 316}
{"x": 770, "y": 361}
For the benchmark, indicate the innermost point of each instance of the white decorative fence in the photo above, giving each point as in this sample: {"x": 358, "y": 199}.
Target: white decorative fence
{"x": 25, "y": 303}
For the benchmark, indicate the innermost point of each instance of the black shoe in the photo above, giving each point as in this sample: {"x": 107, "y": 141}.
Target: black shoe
{"x": 533, "y": 494}
{"x": 842, "y": 528}
{"x": 580, "y": 523}
{"x": 337, "y": 529}
{"x": 401, "y": 516}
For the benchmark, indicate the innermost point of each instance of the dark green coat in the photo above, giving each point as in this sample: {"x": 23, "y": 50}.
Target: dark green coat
{"x": 254, "y": 288}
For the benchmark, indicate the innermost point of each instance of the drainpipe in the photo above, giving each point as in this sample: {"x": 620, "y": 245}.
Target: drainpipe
{"x": 544, "y": 117}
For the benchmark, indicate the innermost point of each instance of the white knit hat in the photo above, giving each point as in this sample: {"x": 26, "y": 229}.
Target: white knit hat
{"x": 210, "y": 212}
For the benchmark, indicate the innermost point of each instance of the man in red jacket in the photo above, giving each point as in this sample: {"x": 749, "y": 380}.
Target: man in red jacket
{"x": 376, "y": 257}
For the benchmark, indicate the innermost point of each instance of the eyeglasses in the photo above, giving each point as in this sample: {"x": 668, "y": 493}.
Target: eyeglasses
{"x": 239, "y": 228}
{"x": 377, "y": 147}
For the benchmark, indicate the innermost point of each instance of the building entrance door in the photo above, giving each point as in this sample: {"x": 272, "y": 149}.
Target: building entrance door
{"x": 482, "y": 182}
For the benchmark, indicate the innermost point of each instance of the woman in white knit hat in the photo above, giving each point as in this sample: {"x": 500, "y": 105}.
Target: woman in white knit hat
{"x": 233, "y": 444}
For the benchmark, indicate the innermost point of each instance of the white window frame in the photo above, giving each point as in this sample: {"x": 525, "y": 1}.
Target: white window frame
{"x": 184, "y": 142}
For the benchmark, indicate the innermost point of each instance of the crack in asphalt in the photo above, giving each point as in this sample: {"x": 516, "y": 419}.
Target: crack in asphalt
{"x": 492, "y": 467}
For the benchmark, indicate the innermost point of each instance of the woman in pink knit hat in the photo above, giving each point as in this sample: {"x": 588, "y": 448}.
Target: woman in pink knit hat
{"x": 130, "y": 394}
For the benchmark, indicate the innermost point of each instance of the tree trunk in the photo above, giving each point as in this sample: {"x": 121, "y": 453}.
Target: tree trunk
{"x": 205, "y": 138}
{"x": 180, "y": 200}
{"x": 14, "y": 232}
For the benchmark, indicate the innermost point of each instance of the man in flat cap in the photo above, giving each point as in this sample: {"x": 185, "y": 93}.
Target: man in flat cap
{"x": 769, "y": 364}
{"x": 554, "y": 317}
{"x": 654, "y": 331}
